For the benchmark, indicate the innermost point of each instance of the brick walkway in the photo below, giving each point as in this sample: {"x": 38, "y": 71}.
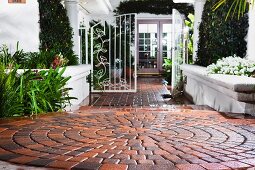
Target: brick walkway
{"x": 145, "y": 138}
{"x": 135, "y": 131}
{"x": 150, "y": 92}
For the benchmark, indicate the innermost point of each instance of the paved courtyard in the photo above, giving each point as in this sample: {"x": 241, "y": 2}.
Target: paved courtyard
{"x": 147, "y": 138}
{"x": 156, "y": 135}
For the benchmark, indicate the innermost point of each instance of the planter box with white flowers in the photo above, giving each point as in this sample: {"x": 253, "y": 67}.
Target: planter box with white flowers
{"x": 233, "y": 66}
{"x": 226, "y": 86}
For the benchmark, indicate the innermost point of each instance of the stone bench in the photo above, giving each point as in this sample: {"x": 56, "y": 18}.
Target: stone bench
{"x": 226, "y": 93}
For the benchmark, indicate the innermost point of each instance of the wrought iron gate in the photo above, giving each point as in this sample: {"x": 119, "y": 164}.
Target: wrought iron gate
{"x": 111, "y": 50}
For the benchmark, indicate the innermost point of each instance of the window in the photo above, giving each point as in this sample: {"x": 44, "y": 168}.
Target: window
{"x": 16, "y": 1}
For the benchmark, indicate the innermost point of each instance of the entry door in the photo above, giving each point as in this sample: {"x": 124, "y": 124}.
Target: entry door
{"x": 154, "y": 44}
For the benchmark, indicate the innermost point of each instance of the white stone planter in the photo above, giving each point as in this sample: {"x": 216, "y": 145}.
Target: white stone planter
{"x": 78, "y": 82}
{"x": 226, "y": 93}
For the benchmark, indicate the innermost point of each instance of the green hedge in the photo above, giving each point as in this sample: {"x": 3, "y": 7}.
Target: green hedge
{"x": 55, "y": 30}
{"x": 153, "y": 7}
{"x": 219, "y": 38}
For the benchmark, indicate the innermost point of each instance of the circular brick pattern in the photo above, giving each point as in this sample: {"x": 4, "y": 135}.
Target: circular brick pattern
{"x": 134, "y": 139}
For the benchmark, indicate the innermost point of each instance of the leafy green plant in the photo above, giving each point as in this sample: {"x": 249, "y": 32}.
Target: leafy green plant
{"x": 10, "y": 104}
{"x": 167, "y": 66}
{"x": 8, "y": 59}
{"x": 219, "y": 38}
{"x": 41, "y": 60}
{"x": 5, "y": 56}
{"x": 19, "y": 55}
{"x": 238, "y": 7}
{"x": 32, "y": 92}
{"x": 32, "y": 60}
{"x": 189, "y": 22}
{"x": 44, "y": 91}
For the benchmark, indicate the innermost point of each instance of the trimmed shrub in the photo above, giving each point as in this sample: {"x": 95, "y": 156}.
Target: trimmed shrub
{"x": 55, "y": 30}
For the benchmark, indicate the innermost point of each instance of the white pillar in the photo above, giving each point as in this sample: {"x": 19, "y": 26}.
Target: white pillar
{"x": 73, "y": 15}
{"x": 198, "y": 7}
{"x": 251, "y": 35}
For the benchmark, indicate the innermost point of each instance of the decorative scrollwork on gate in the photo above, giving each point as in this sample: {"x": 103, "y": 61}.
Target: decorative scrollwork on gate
{"x": 110, "y": 50}
{"x": 99, "y": 50}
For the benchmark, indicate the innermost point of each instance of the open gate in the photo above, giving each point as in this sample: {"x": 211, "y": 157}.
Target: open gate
{"x": 111, "y": 50}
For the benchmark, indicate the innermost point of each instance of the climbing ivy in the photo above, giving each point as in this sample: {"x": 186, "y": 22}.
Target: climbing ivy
{"x": 219, "y": 38}
{"x": 153, "y": 7}
{"x": 55, "y": 30}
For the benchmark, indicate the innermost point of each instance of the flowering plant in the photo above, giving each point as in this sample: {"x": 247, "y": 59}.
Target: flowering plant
{"x": 233, "y": 65}
{"x": 59, "y": 61}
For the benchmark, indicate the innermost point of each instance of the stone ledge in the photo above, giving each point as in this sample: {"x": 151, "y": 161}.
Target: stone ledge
{"x": 225, "y": 93}
{"x": 236, "y": 83}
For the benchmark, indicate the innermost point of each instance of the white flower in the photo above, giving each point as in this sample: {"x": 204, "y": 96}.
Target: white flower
{"x": 232, "y": 65}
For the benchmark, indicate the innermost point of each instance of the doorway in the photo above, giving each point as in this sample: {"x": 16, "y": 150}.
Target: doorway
{"x": 154, "y": 44}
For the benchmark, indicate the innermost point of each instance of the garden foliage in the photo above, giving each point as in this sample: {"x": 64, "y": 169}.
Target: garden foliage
{"x": 31, "y": 60}
{"x": 219, "y": 38}
{"x": 28, "y": 92}
{"x": 189, "y": 22}
{"x": 55, "y": 30}
{"x": 167, "y": 74}
{"x": 153, "y": 7}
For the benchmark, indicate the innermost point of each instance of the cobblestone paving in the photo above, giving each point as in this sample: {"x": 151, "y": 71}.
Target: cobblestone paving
{"x": 145, "y": 138}
{"x": 150, "y": 92}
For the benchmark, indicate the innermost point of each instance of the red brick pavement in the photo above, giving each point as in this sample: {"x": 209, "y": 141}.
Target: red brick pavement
{"x": 129, "y": 138}
{"x": 150, "y": 92}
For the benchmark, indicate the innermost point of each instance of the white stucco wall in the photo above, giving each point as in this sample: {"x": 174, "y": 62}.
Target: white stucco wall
{"x": 108, "y": 18}
{"x": 72, "y": 10}
{"x": 198, "y": 7}
{"x": 19, "y": 22}
{"x": 84, "y": 18}
{"x": 78, "y": 83}
{"x": 251, "y": 35}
